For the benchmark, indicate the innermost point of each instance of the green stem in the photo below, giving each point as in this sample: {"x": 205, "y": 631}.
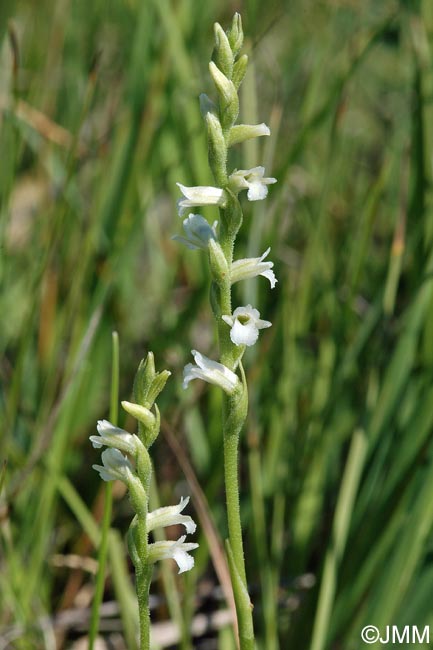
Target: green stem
{"x": 143, "y": 578}
{"x": 231, "y": 477}
{"x": 234, "y": 415}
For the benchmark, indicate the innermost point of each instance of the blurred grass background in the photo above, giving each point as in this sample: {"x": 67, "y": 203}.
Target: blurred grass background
{"x": 99, "y": 118}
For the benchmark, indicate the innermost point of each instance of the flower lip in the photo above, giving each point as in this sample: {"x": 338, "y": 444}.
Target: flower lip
{"x": 245, "y": 324}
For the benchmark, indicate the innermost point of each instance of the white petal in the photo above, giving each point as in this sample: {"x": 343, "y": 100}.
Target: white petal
{"x": 263, "y": 324}
{"x": 248, "y": 310}
{"x": 104, "y": 473}
{"x": 187, "y": 374}
{"x": 113, "y": 436}
{"x": 262, "y": 129}
{"x": 270, "y": 275}
{"x": 210, "y": 371}
{"x": 257, "y": 191}
{"x": 184, "y": 561}
{"x": 185, "y": 242}
{"x": 177, "y": 550}
{"x": 117, "y": 464}
{"x": 255, "y": 171}
{"x": 170, "y": 516}
{"x": 228, "y": 319}
{"x": 244, "y": 334}
{"x": 202, "y": 194}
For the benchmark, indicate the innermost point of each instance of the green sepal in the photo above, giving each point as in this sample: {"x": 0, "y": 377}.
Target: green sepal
{"x": 217, "y": 149}
{"x": 231, "y": 215}
{"x": 237, "y": 354}
{"x": 132, "y": 547}
{"x": 137, "y": 492}
{"x": 157, "y": 386}
{"x": 238, "y": 408}
{"x": 222, "y": 54}
{"x": 151, "y": 434}
{"x": 228, "y": 97}
{"x": 239, "y": 70}
{"x": 143, "y": 378}
{"x": 235, "y": 34}
{"x": 148, "y": 383}
{"x": 217, "y": 262}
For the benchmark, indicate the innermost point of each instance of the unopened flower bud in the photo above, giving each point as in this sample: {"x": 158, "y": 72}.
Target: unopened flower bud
{"x": 144, "y": 378}
{"x": 157, "y": 386}
{"x": 229, "y": 101}
{"x": 223, "y": 55}
{"x": 140, "y": 413}
{"x": 235, "y": 34}
{"x": 217, "y": 148}
{"x": 239, "y": 70}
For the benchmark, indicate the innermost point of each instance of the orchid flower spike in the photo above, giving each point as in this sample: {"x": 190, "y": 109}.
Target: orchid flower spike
{"x": 178, "y": 551}
{"x": 200, "y": 195}
{"x": 252, "y": 180}
{"x": 250, "y": 267}
{"x": 170, "y": 516}
{"x": 245, "y": 324}
{"x": 197, "y": 232}
{"x": 210, "y": 371}
{"x": 112, "y": 436}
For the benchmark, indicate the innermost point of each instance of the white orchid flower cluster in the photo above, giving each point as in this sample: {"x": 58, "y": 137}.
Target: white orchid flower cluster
{"x": 227, "y": 72}
{"x": 126, "y": 458}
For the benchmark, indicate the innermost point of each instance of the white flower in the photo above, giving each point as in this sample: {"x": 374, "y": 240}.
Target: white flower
{"x": 211, "y": 371}
{"x": 252, "y": 180}
{"x": 250, "y": 267}
{"x": 245, "y": 325}
{"x": 198, "y": 232}
{"x": 200, "y": 195}
{"x": 170, "y": 516}
{"x": 115, "y": 467}
{"x": 177, "y": 550}
{"x": 112, "y": 436}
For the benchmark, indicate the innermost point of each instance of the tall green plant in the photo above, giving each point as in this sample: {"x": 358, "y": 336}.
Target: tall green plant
{"x": 238, "y": 328}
